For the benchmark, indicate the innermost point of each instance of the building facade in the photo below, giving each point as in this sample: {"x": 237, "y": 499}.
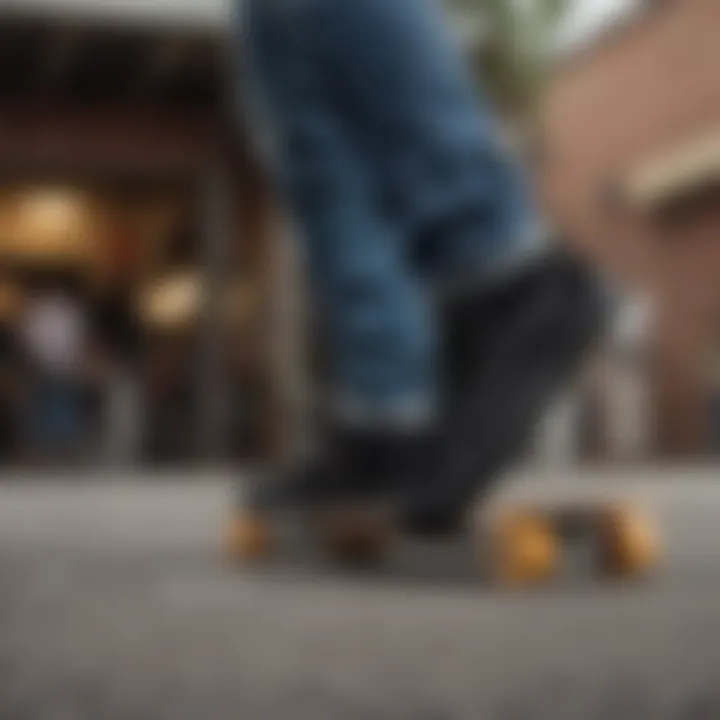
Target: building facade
{"x": 122, "y": 156}
{"x": 631, "y": 169}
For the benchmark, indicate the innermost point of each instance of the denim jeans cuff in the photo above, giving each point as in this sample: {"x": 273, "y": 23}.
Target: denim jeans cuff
{"x": 534, "y": 244}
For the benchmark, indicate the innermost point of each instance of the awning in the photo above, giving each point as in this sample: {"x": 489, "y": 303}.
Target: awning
{"x": 680, "y": 173}
{"x": 210, "y": 14}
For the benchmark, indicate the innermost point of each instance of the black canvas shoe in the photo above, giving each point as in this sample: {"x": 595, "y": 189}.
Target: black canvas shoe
{"x": 509, "y": 349}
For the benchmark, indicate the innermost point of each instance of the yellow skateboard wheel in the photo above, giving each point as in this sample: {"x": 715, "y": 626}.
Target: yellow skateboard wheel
{"x": 248, "y": 538}
{"x": 525, "y": 550}
{"x": 630, "y": 543}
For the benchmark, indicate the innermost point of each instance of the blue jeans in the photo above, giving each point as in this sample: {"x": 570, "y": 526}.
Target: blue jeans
{"x": 395, "y": 174}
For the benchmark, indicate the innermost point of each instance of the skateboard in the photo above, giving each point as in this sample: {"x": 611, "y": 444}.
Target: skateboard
{"x": 532, "y": 347}
{"x": 518, "y": 543}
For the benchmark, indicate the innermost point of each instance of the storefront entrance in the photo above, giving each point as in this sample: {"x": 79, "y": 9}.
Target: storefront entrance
{"x": 122, "y": 345}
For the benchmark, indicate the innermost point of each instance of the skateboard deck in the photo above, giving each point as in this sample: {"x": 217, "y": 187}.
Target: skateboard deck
{"x": 527, "y": 354}
{"x": 516, "y": 541}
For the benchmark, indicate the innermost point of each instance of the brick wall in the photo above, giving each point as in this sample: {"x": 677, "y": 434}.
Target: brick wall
{"x": 643, "y": 91}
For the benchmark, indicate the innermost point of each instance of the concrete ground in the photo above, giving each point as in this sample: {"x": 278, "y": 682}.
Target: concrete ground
{"x": 116, "y": 602}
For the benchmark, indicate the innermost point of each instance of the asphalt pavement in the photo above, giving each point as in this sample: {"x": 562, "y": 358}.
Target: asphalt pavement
{"x": 116, "y": 602}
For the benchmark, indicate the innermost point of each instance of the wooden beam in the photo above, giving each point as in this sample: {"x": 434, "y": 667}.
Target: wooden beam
{"x": 61, "y": 55}
{"x": 216, "y": 217}
{"x": 109, "y": 139}
{"x": 166, "y": 61}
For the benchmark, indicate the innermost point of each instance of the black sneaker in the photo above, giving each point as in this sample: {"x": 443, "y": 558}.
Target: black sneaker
{"x": 509, "y": 350}
{"x": 354, "y": 467}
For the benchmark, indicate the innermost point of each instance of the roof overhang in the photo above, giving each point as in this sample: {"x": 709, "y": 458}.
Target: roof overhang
{"x": 212, "y": 15}
{"x": 677, "y": 174}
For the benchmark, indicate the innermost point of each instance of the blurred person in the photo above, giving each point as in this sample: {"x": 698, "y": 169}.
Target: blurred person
{"x": 449, "y": 314}
{"x": 54, "y": 334}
